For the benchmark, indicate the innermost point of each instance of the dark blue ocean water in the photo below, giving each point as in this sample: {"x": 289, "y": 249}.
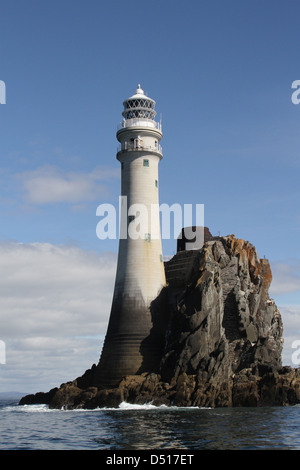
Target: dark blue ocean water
{"x": 146, "y": 427}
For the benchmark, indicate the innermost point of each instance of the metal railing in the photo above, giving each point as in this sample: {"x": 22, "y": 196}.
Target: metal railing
{"x": 128, "y": 146}
{"x": 139, "y": 122}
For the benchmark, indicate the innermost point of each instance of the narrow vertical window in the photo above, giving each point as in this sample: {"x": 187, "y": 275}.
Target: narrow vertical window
{"x": 156, "y": 183}
{"x": 145, "y": 162}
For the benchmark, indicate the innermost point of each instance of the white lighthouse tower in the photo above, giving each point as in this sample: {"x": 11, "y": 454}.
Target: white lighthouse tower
{"x": 131, "y": 345}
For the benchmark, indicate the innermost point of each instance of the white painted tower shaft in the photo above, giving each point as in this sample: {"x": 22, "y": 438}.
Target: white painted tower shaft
{"x": 140, "y": 277}
{"x": 140, "y": 262}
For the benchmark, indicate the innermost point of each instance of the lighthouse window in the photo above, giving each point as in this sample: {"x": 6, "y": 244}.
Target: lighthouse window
{"x": 156, "y": 183}
{"x": 147, "y": 237}
{"x": 145, "y": 162}
{"x": 161, "y": 258}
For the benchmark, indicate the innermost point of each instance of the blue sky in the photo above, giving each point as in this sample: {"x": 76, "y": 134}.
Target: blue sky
{"x": 221, "y": 73}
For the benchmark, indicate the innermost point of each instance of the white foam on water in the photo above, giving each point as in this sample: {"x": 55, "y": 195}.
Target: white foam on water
{"x": 146, "y": 406}
{"x": 27, "y": 408}
{"x": 124, "y": 406}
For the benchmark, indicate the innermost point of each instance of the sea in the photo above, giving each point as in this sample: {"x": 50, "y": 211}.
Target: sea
{"x": 162, "y": 430}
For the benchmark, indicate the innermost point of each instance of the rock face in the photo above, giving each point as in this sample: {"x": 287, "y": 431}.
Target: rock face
{"x": 224, "y": 320}
{"x": 222, "y": 339}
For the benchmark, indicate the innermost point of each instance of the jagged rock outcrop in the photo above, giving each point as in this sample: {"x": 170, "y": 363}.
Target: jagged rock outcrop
{"x": 224, "y": 317}
{"x": 223, "y": 339}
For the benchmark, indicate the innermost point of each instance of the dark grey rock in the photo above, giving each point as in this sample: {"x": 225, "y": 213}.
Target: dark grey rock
{"x": 222, "y": 338}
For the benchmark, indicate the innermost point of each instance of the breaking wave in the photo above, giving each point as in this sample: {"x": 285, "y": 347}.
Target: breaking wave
{"x": 124, "y": 406}
{"x": 147, "y": 426}
{"x": 148, "y": 406}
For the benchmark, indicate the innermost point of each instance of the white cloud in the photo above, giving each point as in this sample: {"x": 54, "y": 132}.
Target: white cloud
{"x": 286, "y": 277}
{"x": 49, "y": 184}
{"x": 54, "y": 307}
{"x": 285, "y": 284}
{"x": 291, "y": 332}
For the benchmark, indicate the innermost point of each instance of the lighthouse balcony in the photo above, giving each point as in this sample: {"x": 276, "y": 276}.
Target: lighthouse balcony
{"x": 139, "y": 123}
{"x": 135, "y": 146}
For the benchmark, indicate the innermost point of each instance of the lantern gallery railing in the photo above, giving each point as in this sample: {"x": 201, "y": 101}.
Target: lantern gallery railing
{"x": 139, "y": 123}
{"x": 129, "y": 146}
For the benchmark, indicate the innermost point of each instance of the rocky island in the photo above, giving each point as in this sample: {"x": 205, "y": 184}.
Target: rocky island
{"x": 221, "y": 338}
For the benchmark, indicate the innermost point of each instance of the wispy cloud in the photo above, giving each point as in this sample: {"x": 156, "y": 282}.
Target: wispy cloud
{"x": 285, "y": 286}
{"x": 54, "y": 307}
{"x": 291, "y": 332}
{"x": 50, "y": 184}
{"x": 286, "y": 277}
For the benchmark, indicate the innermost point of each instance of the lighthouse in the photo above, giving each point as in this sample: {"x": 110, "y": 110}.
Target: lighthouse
{"x": 132, "y": 344}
